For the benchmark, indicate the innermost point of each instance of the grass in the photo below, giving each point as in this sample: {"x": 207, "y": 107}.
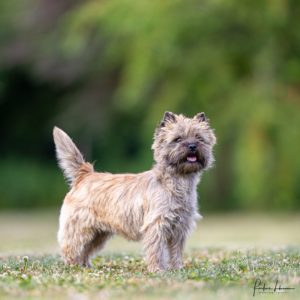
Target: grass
{"x": 224, "y": 257}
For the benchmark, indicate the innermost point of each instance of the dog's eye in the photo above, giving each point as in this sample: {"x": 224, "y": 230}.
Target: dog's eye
{"x": 178, "y": 139}
{"x": 200, "y": 138}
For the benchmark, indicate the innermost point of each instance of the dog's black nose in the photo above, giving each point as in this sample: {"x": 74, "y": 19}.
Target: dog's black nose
{"x": 192, "y": 147}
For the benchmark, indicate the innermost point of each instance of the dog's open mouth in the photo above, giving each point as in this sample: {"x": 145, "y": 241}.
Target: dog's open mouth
{"x": 195, "y": 159}
{"x": 192, "y": 158}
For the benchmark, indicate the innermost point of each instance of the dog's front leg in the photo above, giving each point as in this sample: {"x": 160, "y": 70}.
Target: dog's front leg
{"x": 175, "y": 247}
{"x": 155, "y": 247}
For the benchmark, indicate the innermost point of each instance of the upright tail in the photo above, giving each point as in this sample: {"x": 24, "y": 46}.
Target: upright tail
{"x": 69, "y": 157}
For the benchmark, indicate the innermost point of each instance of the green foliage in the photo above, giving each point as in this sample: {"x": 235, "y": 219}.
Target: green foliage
{"x": 115, "y": 66}
{"x": 29, "y": 184}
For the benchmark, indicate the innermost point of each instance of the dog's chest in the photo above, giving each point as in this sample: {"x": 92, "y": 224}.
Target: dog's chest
{"x": 181, "y": 208}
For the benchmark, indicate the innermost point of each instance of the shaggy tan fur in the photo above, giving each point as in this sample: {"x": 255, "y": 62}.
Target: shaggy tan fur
{"x": 158, "y": 207}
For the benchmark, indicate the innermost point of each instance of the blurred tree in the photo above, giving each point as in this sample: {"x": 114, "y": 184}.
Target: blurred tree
{"x": 107, "y": 70}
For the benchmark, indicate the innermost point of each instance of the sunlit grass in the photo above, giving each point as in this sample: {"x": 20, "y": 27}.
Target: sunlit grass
{"x": 224, "y": 257}
{"x": 210, "y": 272}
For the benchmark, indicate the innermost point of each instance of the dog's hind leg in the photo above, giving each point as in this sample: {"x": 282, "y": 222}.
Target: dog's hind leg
{"x": 95, "y": 245}
{"x": 78, "y": 236}
{"x": 73, "y": 241}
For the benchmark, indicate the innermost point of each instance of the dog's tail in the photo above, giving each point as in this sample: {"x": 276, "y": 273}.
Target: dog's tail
{"x": 69, "y": 157}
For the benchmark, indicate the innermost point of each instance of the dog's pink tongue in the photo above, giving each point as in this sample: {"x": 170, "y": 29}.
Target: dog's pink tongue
{"x": 192, "y": 158}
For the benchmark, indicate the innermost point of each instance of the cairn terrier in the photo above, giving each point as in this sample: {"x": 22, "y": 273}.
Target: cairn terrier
{"x": 157, "y": 207}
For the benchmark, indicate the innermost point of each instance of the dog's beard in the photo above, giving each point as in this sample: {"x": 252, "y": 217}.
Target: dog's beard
{"x": 186, "y": 162}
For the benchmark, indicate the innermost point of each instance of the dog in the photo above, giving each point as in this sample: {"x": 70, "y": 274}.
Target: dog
{"x": 157, "y": 207}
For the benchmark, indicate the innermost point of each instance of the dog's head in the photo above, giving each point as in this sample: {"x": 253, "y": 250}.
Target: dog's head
{"x": 184, "y": 144}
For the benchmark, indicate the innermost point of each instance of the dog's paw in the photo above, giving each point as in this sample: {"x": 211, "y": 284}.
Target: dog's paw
{"x": 175, "y": 267}
{"x": 155, "y": 269}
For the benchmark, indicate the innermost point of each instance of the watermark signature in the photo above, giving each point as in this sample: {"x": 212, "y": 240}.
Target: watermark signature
{"x": 260, "y": 287}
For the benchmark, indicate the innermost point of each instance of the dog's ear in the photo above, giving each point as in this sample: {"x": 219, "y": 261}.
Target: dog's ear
{"x": 201, "y": 117}
{"x": 169, "y": 117}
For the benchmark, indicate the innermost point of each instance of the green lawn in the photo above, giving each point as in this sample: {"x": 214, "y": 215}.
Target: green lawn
{"x": 224, "y": 257}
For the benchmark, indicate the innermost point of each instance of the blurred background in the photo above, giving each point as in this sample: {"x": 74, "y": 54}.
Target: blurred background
{"x": 105, "y": 72}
